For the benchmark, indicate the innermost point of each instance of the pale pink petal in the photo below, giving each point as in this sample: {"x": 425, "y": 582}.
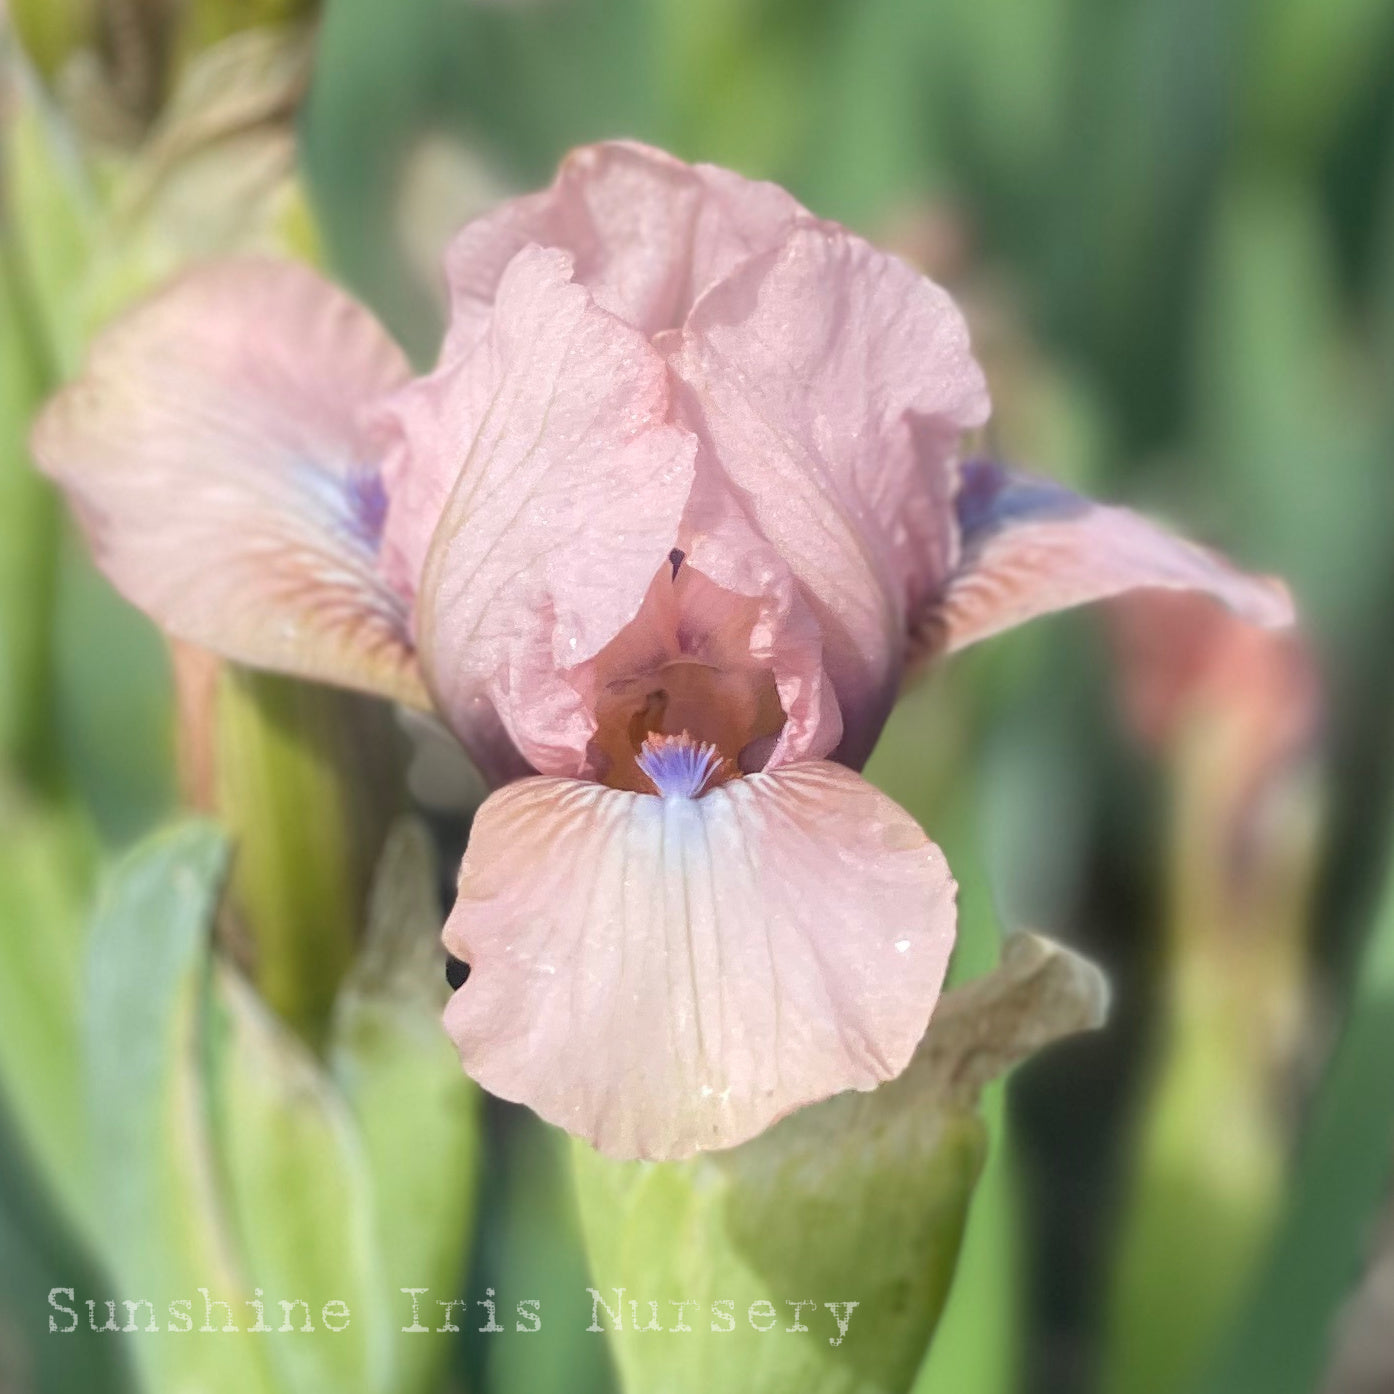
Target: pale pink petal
{"x": 740, "y": 669}
{"x": 720, "y": 543}
{"x": 214, "y": 451}
{"x": 723, "y": 648}
{"x": 831, "y": 382}
{"x": 687, "y": 663}
{"x": 667, "y": 975}
{"x": 647, "y": 232}
{"x": 424, "y": 431}
{"x": 572, "y": 483}
{"x": 1030, "y": 546}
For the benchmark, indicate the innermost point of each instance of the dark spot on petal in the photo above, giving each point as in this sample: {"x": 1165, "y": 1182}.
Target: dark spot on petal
{"x": 457, "y": 972}
{"x": 676, "y": 558}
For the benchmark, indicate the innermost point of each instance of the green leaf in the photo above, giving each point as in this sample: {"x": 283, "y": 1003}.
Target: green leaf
{"x": 417, "y": 1112}
{"x": 238, "y": 1169}
{"x": 34, "y": 1263}
{"x": 45, "y": 871}
{"x": 1310, "y": 63}
{"x": 1280, "y": 1344}
{"x": 28, "y": 534}
{"x": 1279, "y": 386}
{"x": 532, "y": 1250}
{"x": 112, "y": 701}
{"x": 52, "y": 213}
{"x": 53, "y": 30}
{"x": 166, "y": 1237}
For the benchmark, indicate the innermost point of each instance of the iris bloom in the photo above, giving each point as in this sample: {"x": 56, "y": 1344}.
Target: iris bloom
{"x": 658, "y": 538}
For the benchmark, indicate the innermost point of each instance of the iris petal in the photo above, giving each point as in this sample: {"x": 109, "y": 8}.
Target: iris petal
{"x": 1030, "y": 546}
{"x": 214, "y": 451}
{"x": 663, "y": 975}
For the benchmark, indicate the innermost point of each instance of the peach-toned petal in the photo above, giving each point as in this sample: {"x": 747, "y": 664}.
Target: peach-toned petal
{"x": 722, "y": 544}
{"x": 647, "y": 232}
{"x": 666, "y": 975}
{"x": 214, "y": 452}
{"x": 724, "y": 647}
{"x": 571, "y": 487}
{"x": 686, "y": 663}
{"x": 832, "y": 383}
{"x": 424, "y": 432}
{"x": 1030, "y": 546}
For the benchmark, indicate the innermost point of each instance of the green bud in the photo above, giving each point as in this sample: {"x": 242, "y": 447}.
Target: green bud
{"x": 215, "y": 176}
{"x": 299, "y": 1194}
{"x": 819, "y": 1255}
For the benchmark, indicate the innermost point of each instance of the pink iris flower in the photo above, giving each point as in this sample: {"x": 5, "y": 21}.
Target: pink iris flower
{"x": 658, "y": 539}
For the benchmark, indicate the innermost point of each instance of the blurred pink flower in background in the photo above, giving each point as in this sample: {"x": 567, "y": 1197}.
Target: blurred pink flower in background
{"x": 658, "y": 538}
{"x": 1193, "y": 672}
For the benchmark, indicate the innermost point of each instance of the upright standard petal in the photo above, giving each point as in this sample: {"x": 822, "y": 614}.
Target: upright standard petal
{"x": 1029, "y": 546}
{"x": 646, "y": 235}
{"x": 647, "y": 232}
{"x": 654, "y": 974}
{"x": 832, "y": 384}
{"x": 213, "y": 450}
{"x": 572, "y": 485}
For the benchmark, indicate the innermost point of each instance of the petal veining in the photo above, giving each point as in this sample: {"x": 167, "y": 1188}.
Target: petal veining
{"x": 215, "y": 452}
{"x": 666, "y": 975}
{"x": 573, "y": 483}
{"x": 1030, "y": 546}
{"x": 648, "y": 234}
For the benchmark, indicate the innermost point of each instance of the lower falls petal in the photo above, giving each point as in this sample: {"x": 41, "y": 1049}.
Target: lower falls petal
{"x": 668, "y": 975}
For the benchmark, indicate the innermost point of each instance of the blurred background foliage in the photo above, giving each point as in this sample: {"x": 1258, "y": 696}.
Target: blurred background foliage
{"x": 1171, "y": 223}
